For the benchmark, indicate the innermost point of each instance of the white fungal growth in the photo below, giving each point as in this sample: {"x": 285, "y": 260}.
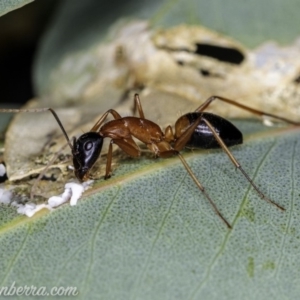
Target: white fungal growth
{"x": 5, "y": 196}
{"x": 72, "y": 193}
{"x": 29, "y": 209}
{"x": 2, "y": 170}
{"x": 267, "y": 121}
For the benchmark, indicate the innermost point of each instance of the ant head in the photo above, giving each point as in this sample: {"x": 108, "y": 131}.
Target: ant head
{"x": 86, "y": 150}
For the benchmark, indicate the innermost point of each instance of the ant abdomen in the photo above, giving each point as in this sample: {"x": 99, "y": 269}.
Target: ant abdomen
{"x": 202, "y": 136}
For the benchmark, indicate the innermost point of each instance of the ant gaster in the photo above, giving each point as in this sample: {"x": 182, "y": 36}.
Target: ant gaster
{"x": 198, "y": 129}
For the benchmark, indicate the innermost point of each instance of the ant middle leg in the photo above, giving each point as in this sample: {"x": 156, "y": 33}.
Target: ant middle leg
{"x": 261, "y": 113}
{"x": 201, "y": 188}
{"x": 99, "y": 123}
{"x": 164, "y": 150}
{"x": 116, "y": 115}
{"x": 138, "y": 106}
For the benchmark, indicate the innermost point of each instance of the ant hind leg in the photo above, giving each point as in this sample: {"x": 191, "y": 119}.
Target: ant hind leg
{"x": 261, "y": 113}
{"x": 238, "y": 166}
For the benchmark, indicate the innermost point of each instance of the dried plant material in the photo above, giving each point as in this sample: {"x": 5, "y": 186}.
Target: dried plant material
{"x": 5, "y": 195}
{"x": 177, "y": 70}
{"x": 190, "y": 62}
{"x": 27, "y": 137}
{"x": 263, "y": 78}
{"x": 45, "y": 150}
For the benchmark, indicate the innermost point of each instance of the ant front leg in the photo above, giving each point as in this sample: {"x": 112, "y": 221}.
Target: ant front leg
{"x": 261, "y": 113}
{"x": 109, "y": 161}
{"x": 128, "y": 145}
{"x": 237, "y": 164}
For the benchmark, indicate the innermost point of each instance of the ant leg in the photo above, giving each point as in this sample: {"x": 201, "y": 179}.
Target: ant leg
{"x": 261, "y": 113}
{"x": 138, "y": 106}
{"x": 201, "y": 188}
{"x": 127, "y": 145}
{"x": 237, "y": 165}
{"x": 169, "y": 135}
{"x": 165, "y": 151}
{"x": 108, "y": 161}
{"x": 98, "y": 124}
{"x": 186, "y": 135}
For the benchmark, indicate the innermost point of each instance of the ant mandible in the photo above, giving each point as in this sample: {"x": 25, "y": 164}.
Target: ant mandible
{"x": 198, "y": 129}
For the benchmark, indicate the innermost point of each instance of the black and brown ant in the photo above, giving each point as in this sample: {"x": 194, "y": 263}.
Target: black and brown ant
{"x": 198, "y": 129}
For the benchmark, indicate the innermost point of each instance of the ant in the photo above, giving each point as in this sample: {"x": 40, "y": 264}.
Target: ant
{"x": 198, "y": 129}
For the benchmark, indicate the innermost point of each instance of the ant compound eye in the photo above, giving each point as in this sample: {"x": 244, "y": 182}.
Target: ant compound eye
{"x": 88, "y": 146}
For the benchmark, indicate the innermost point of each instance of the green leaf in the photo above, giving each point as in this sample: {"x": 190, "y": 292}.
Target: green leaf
{"x": 148, "y": 232}
{"x": 9, "y": 5}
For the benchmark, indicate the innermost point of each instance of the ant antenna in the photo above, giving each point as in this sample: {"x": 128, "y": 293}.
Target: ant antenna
{"x": 34, "y": 110}
{"x": 61, "y": 126}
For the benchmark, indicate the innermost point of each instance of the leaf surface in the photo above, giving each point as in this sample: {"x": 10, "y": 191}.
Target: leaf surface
{"x": 148, "y": 233}
{"x": 9, "y": 5}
